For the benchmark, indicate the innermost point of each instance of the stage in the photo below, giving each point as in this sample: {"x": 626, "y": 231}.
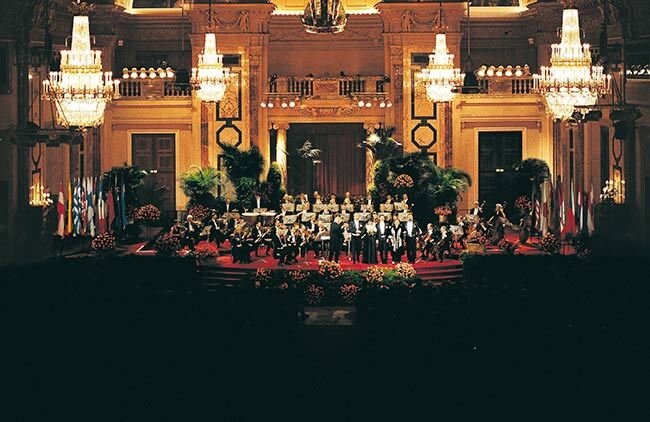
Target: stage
{"x": 222, "y": 269}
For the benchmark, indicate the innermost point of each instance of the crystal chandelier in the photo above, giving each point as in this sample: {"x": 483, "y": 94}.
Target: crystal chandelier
{"x": 210, "y": 78}
{"x": 80, "y": 90}
{"x": 571, "y": 81}
{"x": 440, "y": 78}
{"x": 324, "y": 16}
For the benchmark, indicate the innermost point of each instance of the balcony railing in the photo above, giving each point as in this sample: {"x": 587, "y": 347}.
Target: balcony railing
{"x": 506, "y": 85}
{"x": 142, "y": 89}
{"x": 327, "y": 87}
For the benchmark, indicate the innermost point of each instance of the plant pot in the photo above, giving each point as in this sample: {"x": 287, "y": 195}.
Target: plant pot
{"x": 475, "y": 248}
{"x": 442, "y": 219}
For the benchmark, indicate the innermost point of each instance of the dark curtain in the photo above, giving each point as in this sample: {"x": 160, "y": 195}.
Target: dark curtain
{"x": 343, "y": 163}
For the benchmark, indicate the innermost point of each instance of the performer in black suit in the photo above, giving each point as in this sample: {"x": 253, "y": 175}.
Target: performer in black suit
{"x": 411, "y": 234}
{"x": 257, "y": 202}
{"x": 216, "y": 233}
{"x": 356, "y": 231}
{"x": 383, "y": 231}
{"x": 444, "y": 244}
{"x": 336, "y": 239}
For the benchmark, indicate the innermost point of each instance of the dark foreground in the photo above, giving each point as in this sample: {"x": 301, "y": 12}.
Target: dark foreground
{"x": 533, "y": 338}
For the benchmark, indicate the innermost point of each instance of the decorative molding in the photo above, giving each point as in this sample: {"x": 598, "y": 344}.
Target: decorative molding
{"x": 327, "y": 111}
{"x": 162, "y": 126}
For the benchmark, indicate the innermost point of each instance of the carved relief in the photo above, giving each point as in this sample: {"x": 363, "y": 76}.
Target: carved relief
{"x": 326, "y": 111}
{"x": 419, "y": 21}
{"x": 254, "y": 63}
{"x": 232, "y": 22}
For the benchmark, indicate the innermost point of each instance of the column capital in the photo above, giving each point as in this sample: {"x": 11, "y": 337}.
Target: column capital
{"x": 279, "y": 125}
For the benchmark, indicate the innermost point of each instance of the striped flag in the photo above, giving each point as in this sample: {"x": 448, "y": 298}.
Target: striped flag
{"x": 101, "y": 207}
{"x": 83, "y": 210}
{"x": 560, "y": 206}
{"x": 60, "y": 207}
{"x": 76, "y": 212}
{"x": 544, "y": 214}
{"x": 538, "y": 219}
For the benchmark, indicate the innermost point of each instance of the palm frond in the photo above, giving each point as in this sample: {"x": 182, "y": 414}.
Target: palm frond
{"x": 308, "y": 152}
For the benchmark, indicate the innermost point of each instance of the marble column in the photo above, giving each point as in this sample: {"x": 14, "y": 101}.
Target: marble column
{"x": 281, "y": 149}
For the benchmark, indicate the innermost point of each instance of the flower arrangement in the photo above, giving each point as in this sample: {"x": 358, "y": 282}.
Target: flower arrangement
{"x": 405, "y": 270}
{"x": 403, "y": 181}
{"x": 298, "y": 276}
{"x": 262, "y": 277}
{"x": 349, "y": 293}
{"x": 477, "y": 237}
{"x": 507, "y": 247}
{"x": 523, "y": 203}
{"x": 167, "y": 246}
{"x": 146, "y": 214}
{"x": 103, "y": 242}
{"x": 203, "y": 251}
{"x": 199, "y": 212}
{"x": 314, "y": 294}
{"x": 374, "y": 275}
{"x": 550, "y": 244}
{"x": 330, "y": 270}
{"x": 443, "y": 210}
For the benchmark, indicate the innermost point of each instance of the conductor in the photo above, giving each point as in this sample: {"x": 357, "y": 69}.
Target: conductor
{"x": 336, "y": 239}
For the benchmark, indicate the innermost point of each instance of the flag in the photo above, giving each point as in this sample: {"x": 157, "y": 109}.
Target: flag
{"x": 123, "y": 204}
{"x": 90, "y": 208}
{"x": 544, "y": 213}
{"x": 83, "y": 207}
{"x": 559, "y": 195}
{"x": 76, "y": 212}
{"x": 578, "y": 211}
{"x": 110, "y": 211}
{"x": 101, "y": 208}
{"x": 69, "y": 207}
{"x": 570, "y": 223}
{"x": 590, "y": 211}
{"x": 538, "y": 222}
{"x": 60, "y": 207}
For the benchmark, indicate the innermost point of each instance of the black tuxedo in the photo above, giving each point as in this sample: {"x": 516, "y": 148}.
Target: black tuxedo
{"x": 356, "y": 229}
{"x": 410, "y": 240}
{"x": 336, "y": 240}
{"x": 382, "y": 238}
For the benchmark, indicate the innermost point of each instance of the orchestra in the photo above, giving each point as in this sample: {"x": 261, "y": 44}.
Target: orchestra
{"x": 369, "y": 235}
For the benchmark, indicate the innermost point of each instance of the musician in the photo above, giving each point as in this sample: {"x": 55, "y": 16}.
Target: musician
{"x": 317, "y": 198}
{"x": 383, "y": 233}
{"x": 396, "y": 241}
{"x": 464, "y": 227}
{"x": 228, "y": 206}
{"x": 257, "y": 202}
{"x": 317, "y": 244}
{"x": 411, "y": 234}
{"x": 216, "y": 233}
{"x": 369, "y": 239}
{"x": 408, "y": 205}
{"x": 498, "y": 223}
{"x": 304, "y": 202}
{"x": 177, "y": 231}
{"x": 242, "y": 242}
{"x": 347, "y": 200}
{"x": 443, "y": 245}
{"x": 389, "y": 200}
{"x": 262, "y": 237}
{"x": 332, "y": 200}
{"x": 192, "y": 232}
{"x": 356, "y": 232}
{"x": 477, "y": 210}
{"x": 369, "y": 203}
{"x": 429, "y": 241}
{"x": 303, "y": 239}
{"x": 336, "y": 239}
{"x": 287, "y": 199}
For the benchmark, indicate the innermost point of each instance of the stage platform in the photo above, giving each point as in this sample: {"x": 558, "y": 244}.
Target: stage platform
{"x": 221, "y": 269}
